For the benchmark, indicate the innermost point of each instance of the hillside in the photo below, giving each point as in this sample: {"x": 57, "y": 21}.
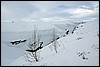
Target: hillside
{"x": 24, "y": 30}
{"x": 78, "y": 49}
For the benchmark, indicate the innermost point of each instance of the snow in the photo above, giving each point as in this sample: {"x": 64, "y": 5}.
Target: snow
{"x": 24, "y": 26}
{"x": 83, "y": 40}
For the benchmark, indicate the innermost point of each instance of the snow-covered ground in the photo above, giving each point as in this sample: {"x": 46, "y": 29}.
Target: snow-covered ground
{"x": 78, "y": 49}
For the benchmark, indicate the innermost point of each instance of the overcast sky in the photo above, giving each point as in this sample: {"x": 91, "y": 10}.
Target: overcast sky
{"x": 47, "y": 11}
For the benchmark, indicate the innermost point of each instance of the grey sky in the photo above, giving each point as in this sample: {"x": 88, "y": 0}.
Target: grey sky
{"x": 37, "y": 10}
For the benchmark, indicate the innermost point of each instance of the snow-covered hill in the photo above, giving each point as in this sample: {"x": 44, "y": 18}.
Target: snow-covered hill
{"x": 24, "y": 30}
{"x": 78, "y": 49}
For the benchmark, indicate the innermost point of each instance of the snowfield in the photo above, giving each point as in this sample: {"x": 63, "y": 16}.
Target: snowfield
{"x": 78, "y": 49}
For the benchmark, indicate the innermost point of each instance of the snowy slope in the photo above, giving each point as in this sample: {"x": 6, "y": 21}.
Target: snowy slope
{"x": 78, "y": 49}
{"x": 21, "y": 31}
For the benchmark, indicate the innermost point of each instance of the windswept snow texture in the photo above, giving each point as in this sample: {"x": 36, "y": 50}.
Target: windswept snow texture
{"x": 78, "y": 49}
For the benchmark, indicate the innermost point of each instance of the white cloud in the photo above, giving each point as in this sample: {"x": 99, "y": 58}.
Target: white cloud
{"x": 79, "y": 12}
{"x": 46, "y": 19}
{"x": 28, "y": 20}
{"x": 42, "y": 6}
{"x": 45, "y": 8}
{"x": 49, "y": 11}
{"x": 54, "y": 19}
